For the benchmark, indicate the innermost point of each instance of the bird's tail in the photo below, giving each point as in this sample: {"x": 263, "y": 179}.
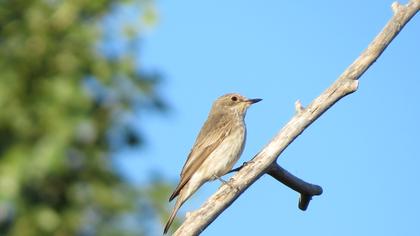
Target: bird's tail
{"x": 173, "y": 214}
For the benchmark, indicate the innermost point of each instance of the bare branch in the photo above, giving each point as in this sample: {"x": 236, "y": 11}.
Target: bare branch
{"x": 347, "y": 83}
{"x": 298, "y": 107}
{"x": 306, "y": 190}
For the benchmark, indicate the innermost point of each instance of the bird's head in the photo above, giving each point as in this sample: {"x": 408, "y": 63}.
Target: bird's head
{"x": 233, "y": 102}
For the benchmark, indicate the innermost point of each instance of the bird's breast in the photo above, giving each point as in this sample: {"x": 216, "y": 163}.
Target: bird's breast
{"x": 222, "y": 159}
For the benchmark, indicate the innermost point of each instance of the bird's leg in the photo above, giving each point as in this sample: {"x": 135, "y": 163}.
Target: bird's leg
{"x": 221, "y": 180}
{"x": 236, "y": 169}
{"x": 225, "y": 182}
{"x": 240, "y": 167}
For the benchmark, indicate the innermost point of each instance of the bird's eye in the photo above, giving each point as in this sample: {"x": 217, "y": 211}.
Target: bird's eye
{"x": 234, "y": 98}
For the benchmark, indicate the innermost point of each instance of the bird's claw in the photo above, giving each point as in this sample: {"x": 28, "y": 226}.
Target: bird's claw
{"x": 226, "y": 182}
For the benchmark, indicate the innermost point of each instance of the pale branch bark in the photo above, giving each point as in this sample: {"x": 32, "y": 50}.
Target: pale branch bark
{"x": 347, "y": 83}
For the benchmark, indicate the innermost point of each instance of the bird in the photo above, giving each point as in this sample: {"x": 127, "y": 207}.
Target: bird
{"x": 217, "y": 148}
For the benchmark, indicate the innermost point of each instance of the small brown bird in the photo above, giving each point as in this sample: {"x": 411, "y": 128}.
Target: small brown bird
{"x": 217, "y": 148}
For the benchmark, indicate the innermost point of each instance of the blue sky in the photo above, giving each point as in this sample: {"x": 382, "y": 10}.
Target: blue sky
{"x": 364, "y": 151}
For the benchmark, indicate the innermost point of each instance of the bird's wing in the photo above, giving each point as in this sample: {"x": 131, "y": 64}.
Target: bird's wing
{"x": 207, "y": 141}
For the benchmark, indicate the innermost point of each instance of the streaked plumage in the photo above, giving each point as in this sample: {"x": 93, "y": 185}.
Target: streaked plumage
{"x": 217, "y": 148}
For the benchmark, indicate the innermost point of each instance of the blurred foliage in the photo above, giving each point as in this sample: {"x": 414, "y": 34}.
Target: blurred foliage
{"x": 64, "y": 106}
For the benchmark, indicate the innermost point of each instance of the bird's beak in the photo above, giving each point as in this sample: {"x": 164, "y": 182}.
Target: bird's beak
{"x": 254, "y": 100}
